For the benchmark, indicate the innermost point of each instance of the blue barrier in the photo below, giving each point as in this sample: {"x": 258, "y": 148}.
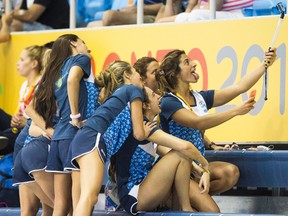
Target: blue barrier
{"x": 16, "y": 212}
{"x": 257, "y": 168}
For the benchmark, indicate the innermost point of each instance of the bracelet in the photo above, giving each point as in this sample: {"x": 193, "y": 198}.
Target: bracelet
{"x": 77, "y": 116}
{"x": 211, "y": 144}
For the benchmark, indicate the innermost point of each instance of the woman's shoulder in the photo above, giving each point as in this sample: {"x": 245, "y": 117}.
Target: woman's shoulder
{"x": 169, "y": 96}
{"x": 81, "y": 55}
{"x": 79, "y": 58}
{"x": 130, "y": 89}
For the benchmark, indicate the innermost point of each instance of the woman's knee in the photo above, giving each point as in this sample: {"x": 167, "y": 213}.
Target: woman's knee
{"x": 90, "y": 199}
{"x": 179, "y": 155}
{"x": 29, "y": 210}
{"x": 201, "y": 202}
{"x": 233, "y": 173}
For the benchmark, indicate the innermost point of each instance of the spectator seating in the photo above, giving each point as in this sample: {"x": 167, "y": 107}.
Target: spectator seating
{"x": 263, "y": 7}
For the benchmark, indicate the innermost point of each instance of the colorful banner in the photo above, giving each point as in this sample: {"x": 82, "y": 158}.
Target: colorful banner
{"x": 224, "y": 51}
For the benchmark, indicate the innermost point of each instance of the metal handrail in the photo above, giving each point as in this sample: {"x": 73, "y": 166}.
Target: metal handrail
{"x": 72, "y": 15}
{"x": 212, "y": 9}
{"x": 140, "y": 11}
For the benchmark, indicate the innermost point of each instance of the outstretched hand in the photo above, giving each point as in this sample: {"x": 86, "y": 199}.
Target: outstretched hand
{"x": 246, "y": 106}
{"x": 270, "y": 57}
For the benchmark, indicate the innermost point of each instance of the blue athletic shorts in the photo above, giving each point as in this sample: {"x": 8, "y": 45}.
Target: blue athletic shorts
{"x": 84, "y": 142}
{"x": 69, "y": 166}
{"x": 32, "y": 157}
{"x": 58, "y": 156}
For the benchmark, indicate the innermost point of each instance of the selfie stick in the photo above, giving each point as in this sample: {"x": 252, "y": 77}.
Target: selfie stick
{"x": 279, "y": 7}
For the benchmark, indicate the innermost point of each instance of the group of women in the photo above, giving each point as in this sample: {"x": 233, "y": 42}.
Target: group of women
{"x": 123, "y": 116}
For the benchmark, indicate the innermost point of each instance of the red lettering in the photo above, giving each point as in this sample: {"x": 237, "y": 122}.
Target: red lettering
{"x": 134, "y": 58}
{"x": 161, "y": 53}
{"x": 109, "y": 59}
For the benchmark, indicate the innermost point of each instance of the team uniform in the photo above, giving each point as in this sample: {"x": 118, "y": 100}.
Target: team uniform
{"x": 92, "y": 105}
{"x": 64, "y": 132}
{"x": 170, "y": 103}
{"x": 108, "y": 127}
{"x": 133, "y": 162}
{"x": 32, "y": 157}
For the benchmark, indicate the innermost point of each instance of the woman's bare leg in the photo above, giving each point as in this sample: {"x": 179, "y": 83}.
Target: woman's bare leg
{"x": 223, "y": 176}
{"x": 46, "y": 210}
{"x": 45, "y": 180}
{"x": 76, "y": 191}
{"x": 63, "y": 197}
{"x": 91, "y": 177}
{"x": 172, "y": 169}
{"x": 29, "y": 203}
{"x": 201, "y": 202}
{"x": 39, "y": 193}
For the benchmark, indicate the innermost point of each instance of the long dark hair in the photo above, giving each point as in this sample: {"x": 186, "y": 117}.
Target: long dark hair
{"x": 169, "y": 69}
{"x": 44, "y": 101}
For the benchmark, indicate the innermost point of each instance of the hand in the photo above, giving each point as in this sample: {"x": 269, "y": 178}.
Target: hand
{"x": 49, "y": 132}
{"x": 7, "y": 18}
{"x": 270, "y": 57}
{"x": 47, "y": 135}
{"x": 246, "y": 106}
{"x": 148, "y": 127}
{"x": 204, "y": 183}
{"x": 77, "y": 123}
{"x": 18, "y": 121}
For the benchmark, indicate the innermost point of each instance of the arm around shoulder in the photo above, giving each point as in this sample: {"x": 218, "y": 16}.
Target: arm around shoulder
{"x": 186, "y": 148}
{"x": 137, "y": 119}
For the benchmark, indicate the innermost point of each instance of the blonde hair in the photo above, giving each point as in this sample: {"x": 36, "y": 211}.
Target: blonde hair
{"x": 35, "y": 53}
{"x": 112, "y": 77}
